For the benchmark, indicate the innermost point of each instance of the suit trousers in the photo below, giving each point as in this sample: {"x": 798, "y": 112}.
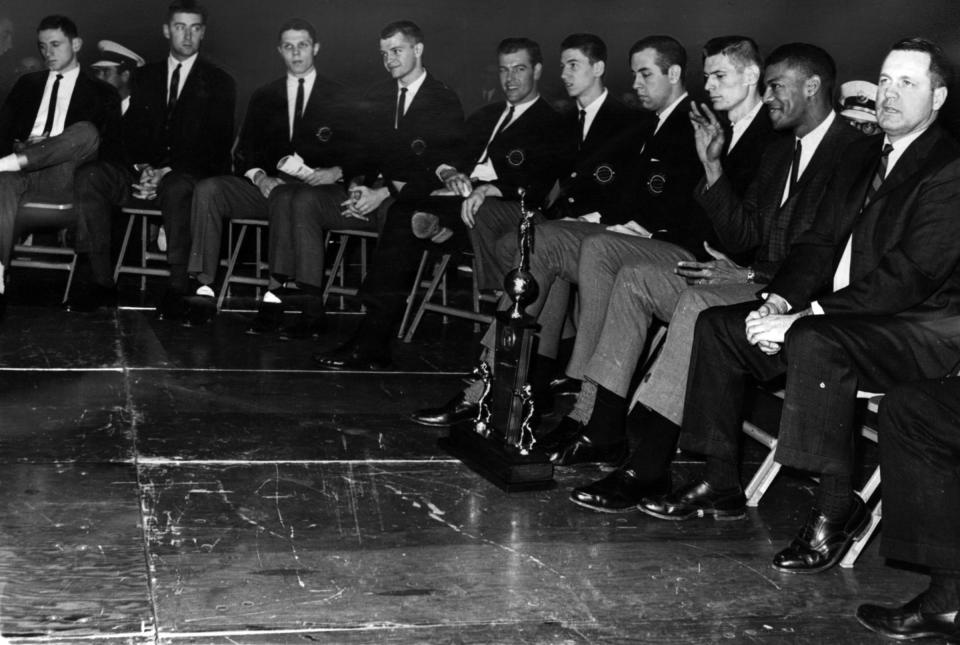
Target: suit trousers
{"x": 48, "y": 174}
{"x": 663, "y": 387}
{"x": 625, "y": 282}
{"x": 920, "y": 461}
{"x": 175, "y": 199}
{"x": 826, "y": 359}
{"x": 495, "y": 219}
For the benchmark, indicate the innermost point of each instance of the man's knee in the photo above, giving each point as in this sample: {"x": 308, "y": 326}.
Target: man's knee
{"x": 809, "y": 333}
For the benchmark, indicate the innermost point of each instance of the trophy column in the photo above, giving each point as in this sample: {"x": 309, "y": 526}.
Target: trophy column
{"x": 499, "y": 444}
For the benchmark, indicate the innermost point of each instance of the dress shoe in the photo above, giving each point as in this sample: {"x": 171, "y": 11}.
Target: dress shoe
{"x": 306, "y": 327}
{"x": 564, "y": 386}
{"x": 353, "y": 357}
{"x": 454, "y": 411}
{"x": 172, "y": 307}
{"x": 91, "y": 297}
{"x": 426, "y": 226}
{"x": 267, "y": 319}
{"x": 908, "y": 622}
{"x": 584, "y": 450}
{"x": 697, "y": 500}
{"x": 619, "y": 492}
{"x": 561, "y": 435}
{"x": 821, "y": 543}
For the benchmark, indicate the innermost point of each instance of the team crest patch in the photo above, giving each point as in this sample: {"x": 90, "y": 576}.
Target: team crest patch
{"x": 324, "y": 134}
{"x": 419, "y": 146}
{"x": 604, "y": 174}
{"x": 516, "y": 158}
{"x": 656, "y": 183}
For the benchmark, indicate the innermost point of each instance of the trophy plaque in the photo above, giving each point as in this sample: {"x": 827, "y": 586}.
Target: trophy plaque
{"x": 499, "y": 442}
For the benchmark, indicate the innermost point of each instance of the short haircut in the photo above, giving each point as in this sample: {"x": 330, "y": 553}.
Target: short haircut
{"x": 409, "y": 29}
{"x": 590, "y": 45}
{"x": 941, "y": 70}
{"x": 513, "y": 45}
{"x": 669, "y": 52}
{"x": 186, "y": 6}
{"x": 741, "y": 50}
{"x": 298, "y": 24}
{"x": 813, "y": 60}
{"x": 64, "y": 24}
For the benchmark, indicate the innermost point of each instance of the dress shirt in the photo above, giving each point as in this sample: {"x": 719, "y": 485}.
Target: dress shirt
{"x": 293, "y": 82}
{"x": 412, "y": 90}
{"x": 64, "y": 92}
{"x": 124, "y": 105}
{"x": 185, "y": 67}
{"x": 737, "y": 129}
{"x": 667, "y": 111}
{"x": 808, "y": 146}
{"x": 485, "y": 171}
{"x": 591, "y": 112}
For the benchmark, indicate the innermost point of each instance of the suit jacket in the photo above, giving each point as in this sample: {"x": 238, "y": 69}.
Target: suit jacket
{"x": 529, "y": 154}
{"x": 324, "y": 139}
{"x": 92, "y": 100}
{"x": 198, "y": 135}
{"x": 429, "y": 134}
{"x": 741, "y": 164}
{"x": 757, "y": 221}
{"x": 905, "y": 251}
{"x": 597, "y": 177}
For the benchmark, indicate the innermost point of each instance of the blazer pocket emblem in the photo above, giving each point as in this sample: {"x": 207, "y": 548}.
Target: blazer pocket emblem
{"x": 324, "y": 134}
{"x": 516, "y": 158}
{"x": 419, "y": 146}
{"x": 656, "y": 183}
{"x": 604, "y": 174}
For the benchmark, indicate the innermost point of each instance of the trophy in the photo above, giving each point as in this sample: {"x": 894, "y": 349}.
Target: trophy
{"x": 499, "y": 443}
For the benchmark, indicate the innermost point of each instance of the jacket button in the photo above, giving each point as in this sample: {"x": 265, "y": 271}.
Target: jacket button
{"x": 570, "y": 199}
{"x": 573, "y": 175}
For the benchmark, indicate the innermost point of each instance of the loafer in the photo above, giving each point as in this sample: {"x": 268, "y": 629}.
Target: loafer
{"x": 456, "y": 410}
{"x": 199, "y": 310}
{"x": 821, "y": 543}
{"x": 908, "y": 622}
{"x": 353, "y": 357}
{"x": 561, "y": 435}
{"x": 619, "y": 492}
{"x": 584, "y": 450}
{"x": 426, "y": 226}
{"x": 92, "y": 297}
{"x": 172, "y": 307}
{"x": 306, "y": 327}
{"x": 564, "y": 386}
{"x": 697, "y": 500}
{"x": 267, "y": 319}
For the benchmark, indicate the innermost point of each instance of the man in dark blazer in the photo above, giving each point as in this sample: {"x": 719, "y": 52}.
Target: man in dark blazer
{"x": 771, "y": 215}
{"x": 49, "y": 123}
{"x": 408, "y": 126}
{"x": 300, "y": 120}
{"x": 869, "y": 297}
{"x": 178, "y": 130}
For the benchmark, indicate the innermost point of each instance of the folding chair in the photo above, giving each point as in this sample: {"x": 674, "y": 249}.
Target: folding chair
{"x": 146, "y": 255}
{"x": 233, "y": 253}
{"x": 39, "y": 256}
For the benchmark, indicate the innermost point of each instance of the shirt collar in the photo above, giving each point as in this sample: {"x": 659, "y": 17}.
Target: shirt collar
{"x": 665, "y": 113}
{"x": 414, "y": 85}
{"x": 186, "y": 64}
{"x": 308, "y": 78}
{"x": 595, "y": 104}
{"x": 813, "y": 138}
{"x": 70, "y": 74}
{"x": 747, "y": 119}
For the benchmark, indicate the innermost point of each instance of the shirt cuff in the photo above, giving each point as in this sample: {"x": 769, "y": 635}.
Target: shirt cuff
{"x": 816, "y": 308}
{"x": 442, "y": 168}
{"x": 252, "y": 173}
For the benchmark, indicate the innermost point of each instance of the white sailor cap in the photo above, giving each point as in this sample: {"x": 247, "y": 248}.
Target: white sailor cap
{"x": 113, "y": 54}
{"x": 858, "y": 101}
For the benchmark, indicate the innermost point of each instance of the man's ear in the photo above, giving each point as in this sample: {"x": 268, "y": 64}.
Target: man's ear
{"x": 418, "y": 49}
{"x": 674, "y": 73}
{"x": 751, "y": 75}
{"x": 166, "y": 31}
{"x": 939, "y": 97}
{"x": 812, "y": 85}
{"x": 537, "y": 71}
{"x": 76, "y": 44}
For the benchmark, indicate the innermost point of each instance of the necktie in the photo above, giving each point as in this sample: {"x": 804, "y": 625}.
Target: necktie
{"x": 583, "y": 121}
{"x": 878, "y": 175}
{"x": 503, "y": 126}
{"x": 174, "y": 87}
{"x": 401, "y": 102}
{"x": 795, "y": 169}
{"x": 298, "y": 110}
{"x": 52, "y": 107}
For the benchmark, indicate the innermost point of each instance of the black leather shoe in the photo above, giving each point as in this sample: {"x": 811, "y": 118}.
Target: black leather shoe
{"x": 353, "y": 357}
{"x": 619, "y": 492}
{"x": 454, "y": 411}
{"x": 908, "y": 622}
{"x": 565, "y": 386}
{"x": 172, "y": 307}
{"x": 697, "y": 500}
{"x": 560, "y": 436}
{"x": 583, "y": 450}
{"x": 267, "y": 319}
{"x": 91, "y": 297}
{"x": 821, "y": 543}
{"x": 200, "y": 310}
{"x": 306, "y": 327}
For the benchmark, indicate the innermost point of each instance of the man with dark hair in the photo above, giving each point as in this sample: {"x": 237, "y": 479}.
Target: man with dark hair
{"x": 178, "y": 130}
{"x": 299, "y": 122}
{"x": 408, "y": 126}
{"x": 775, "y": 210}
{"x": 49, "y": 123}
{"x": 867, "y": 298}
{"x": 116, "y": 65}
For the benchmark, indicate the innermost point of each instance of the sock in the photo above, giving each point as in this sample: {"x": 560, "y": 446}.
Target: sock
{"x": 179, "y": 282}
{"x": 943, "y": 594}
{"x": 206, "y": 291}
{"x": 3, "y": 282}
{"x": 722, "y": 474}
{"x": 270, "y": 298}
{"x": 835, "y": 496}
{"x": 583, "y": 406}
{"x": 10, "y": 163}
{"x": 656, "y": 443}
{"x": 473, "y": 392}
{"x": 607, "y": 424}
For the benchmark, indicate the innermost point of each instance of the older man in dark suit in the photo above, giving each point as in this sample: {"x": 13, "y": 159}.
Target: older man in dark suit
{"x": 776, "y": 209}
{"x": 49, "y": 123}
{"x": 178, "y": 130}
{"x": 869, "y": 297}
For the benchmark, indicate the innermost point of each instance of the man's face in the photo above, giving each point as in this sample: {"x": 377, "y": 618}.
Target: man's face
{"x": 107, "y": 74}
{"x": 726, "y": 85}
{"x": 785, "y": 95}
{"x": 401, "y": 57}
{"x": 58, "y": 50}
{"x": 653, "y": 86}
{"x": 185, "y": 32}
{"x": 578, "y": 73}
{"x": 518, "y": 77}
{"x": 907, "y": 102}
{"x": 298, "y": 51}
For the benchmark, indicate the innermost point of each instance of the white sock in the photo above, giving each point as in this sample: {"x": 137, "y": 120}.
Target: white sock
{"x": 270, "y": 297}
{"x": 10, "y": 163}
{"x": 206, "y": 291}
{"x": 2, "y": 285}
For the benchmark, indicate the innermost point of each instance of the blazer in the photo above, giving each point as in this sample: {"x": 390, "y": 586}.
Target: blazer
{"x": 757, "y": 221}
{"x": 198, "y": 135}
{"x": 905, "y": 253}
{"x": 324, "y": 139}
{"x": 92, "y": 100}
{"x": 430, "y": 133}
{"x": 741, "y": 164}
{"x": 597, "y": 176}
{"x": 529, "y": 154}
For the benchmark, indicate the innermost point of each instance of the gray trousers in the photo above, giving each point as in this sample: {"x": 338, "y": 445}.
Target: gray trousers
{"x": 495, "y": 219}
{"x": 216, "y": 199}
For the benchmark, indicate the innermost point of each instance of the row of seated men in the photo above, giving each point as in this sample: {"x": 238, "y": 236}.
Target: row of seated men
{"x": 767, "y": 231}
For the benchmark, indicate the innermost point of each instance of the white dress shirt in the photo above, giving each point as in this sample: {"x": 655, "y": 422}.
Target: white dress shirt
{"x": 64, "y": 93}
{"x": 293, "y": 82}
{"x": 737, "y": 129}
{"x": 808, "y": 146}
{"x": 485, "y": 171}
{"x": 591, "y": 112}
{"x": 185, "y": 67}
{"x": 412, "y": 90}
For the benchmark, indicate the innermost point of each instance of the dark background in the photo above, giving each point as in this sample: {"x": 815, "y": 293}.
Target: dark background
{"x": 461, "y": 36}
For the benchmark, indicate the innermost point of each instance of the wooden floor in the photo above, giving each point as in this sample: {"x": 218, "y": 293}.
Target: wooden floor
{"x": 170, "y": 485}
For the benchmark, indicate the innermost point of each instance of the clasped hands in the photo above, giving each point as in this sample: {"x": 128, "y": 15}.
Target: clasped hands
{"x": 146, "y": 186}
{"x": 767, "y": 326}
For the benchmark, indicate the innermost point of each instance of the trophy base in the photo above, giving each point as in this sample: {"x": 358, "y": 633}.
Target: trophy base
{"x": 501, "y": 465}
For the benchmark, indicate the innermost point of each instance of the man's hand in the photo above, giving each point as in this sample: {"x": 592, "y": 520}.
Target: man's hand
{"x": 363, "y": 201}
{"x": 324, "y": 176}
{"x": 710, "y": 139}
{"x": 767, "y": 326}
{"x": 474, "y": 200}
{"x": 720, "y": 270}
{"x": 146, "y": 186}
{"x": 265, "y": 183}
{"x": 630, "y": 228}
{"x": 459, "y": 184}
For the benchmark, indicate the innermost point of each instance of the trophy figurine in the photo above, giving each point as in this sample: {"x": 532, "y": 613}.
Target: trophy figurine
{"x": 500, "y": 445}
